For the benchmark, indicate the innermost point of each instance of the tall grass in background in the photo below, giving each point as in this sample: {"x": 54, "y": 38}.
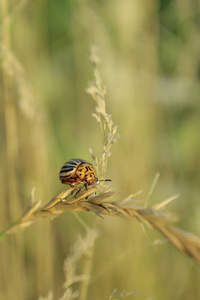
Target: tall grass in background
{"x": 151, "y": 68}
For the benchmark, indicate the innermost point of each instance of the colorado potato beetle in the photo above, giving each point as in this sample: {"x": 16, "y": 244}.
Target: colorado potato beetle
{"x": 77, "y": 171}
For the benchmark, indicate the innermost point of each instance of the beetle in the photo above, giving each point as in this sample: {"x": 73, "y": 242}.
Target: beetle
{"x": 77, "y": 171}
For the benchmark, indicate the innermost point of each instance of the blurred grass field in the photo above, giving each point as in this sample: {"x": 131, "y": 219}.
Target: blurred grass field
{"x": 150, "y": 66}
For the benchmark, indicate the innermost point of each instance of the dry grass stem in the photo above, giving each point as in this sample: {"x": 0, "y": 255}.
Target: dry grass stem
{"x": 102, "y": 204}
{"x": 151, "y": 189}
{"x": 83, "y": 247}
{"x": 97, "y": 91}
{"x": 162, "y": 204}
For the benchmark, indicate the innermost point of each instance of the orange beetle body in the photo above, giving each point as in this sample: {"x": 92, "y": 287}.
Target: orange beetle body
{"x": 78, "y": 171}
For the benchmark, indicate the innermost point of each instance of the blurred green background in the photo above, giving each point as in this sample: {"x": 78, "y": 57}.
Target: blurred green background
{"x": 151, "y": 66}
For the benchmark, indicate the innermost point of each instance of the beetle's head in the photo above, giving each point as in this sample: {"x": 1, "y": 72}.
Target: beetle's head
{"x": 90, "y": 178}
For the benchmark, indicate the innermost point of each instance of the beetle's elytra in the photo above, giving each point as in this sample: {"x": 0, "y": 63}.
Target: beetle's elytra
{"x": 77, "y": 171}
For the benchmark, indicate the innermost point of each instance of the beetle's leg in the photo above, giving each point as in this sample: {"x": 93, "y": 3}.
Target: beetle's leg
{"x": 85, "y": 184}
{"x": 73, "y": 185}
{"x": 80, "y": 188}
{"x": 77, "y": 192}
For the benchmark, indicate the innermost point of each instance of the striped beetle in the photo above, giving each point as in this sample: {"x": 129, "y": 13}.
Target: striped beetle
{"x": 77, "y": 171}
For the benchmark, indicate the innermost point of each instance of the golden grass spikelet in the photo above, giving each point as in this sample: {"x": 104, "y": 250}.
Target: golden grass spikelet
{"x": 97, "y": 91}
{"x": 100, "y": 203}
{"x": 186, "y": 242}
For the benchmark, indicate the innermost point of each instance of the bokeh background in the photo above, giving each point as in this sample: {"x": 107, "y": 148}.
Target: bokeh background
{"x": 150, "y": 54}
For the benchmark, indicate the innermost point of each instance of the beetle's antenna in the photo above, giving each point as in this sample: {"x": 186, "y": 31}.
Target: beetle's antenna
{"x": 105, "y": 180}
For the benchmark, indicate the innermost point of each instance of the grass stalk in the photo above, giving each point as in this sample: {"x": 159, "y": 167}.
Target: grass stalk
{"x": 102, "y": 204}
{"x": 97, "y": 91}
